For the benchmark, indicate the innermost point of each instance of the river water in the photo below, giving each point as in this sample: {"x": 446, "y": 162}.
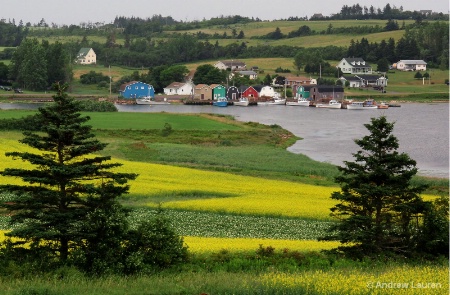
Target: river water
{"x": 328, "y": 134}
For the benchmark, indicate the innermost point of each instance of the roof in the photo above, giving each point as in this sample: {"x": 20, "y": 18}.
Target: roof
{"x": 369, "y": 77}
{"x": 216, "y": 85}
{"x": 200, "y": 86}
{"x": 123, "y": 86}
{"x": 351, "y": 78}
{"x": 175, "y": 85}
{"x": 354, "y": 62}
{"x": 83, "y": 52}
{"x": 258, "y": 87}
{"x": 413, "y": 62}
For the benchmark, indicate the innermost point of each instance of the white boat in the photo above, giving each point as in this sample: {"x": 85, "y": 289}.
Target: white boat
{"x": 243, "y": 102}
{"x": 276, "y": 101}
{"x": 303, "y": 102}
{"x": 149, "y": 100}
{"x": 361, "y": 105}
{"x": 332, "y": 104}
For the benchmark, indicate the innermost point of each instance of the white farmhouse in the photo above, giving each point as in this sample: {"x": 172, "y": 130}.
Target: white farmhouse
{"x": 86, "y": 56}
{"x": 233, "y": 65}
{"x": 412, "y": 65}
{"x": 354, "y": 66}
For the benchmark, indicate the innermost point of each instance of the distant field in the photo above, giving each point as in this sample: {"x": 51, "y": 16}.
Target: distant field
{"x": 263, "y": 28}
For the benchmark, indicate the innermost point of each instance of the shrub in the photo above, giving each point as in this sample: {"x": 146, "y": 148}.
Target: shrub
{"x": 153, "y": 244}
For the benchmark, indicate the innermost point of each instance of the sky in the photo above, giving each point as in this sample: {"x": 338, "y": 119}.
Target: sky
{"x": 64, "y": 12}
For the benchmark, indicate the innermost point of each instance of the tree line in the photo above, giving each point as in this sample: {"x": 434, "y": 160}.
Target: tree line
{"x": 36, "y": 66}
{"x": 387, "y": 12}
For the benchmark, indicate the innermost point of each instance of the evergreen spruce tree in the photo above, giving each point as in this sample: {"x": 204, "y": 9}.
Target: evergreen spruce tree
{"x": 65, "y": 184}
{"x": 377, "y": 206}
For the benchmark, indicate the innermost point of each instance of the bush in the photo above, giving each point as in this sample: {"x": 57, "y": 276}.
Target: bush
{"x": 153, "y": 244}
{"x": 93, "y": 78}
{"x": 97, "y": 106}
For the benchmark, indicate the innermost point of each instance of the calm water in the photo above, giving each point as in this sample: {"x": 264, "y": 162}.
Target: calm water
{"x": 422, "y": 129}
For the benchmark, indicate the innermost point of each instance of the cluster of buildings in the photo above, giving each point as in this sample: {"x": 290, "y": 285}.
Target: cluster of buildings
{"x": 356, "y": 73}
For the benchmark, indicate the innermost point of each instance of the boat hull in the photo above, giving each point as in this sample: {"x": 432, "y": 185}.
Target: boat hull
{"x": 298, "y": 103}
{"x": 351, "y": 107}
{"x": 271, "y": 103}
{"x": 329, "y": 106}
{"x": 241, "y": 103}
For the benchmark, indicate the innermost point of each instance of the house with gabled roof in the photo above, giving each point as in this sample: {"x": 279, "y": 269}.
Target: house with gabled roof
{"x": 233, "y": 65}
{"x": 252, "y": 75}
{"x": 354, "y": 66}
{"x": 353, "y": 81}
{"x": 364, "y": 80}
{"x": 86, "y": 56}
{"x": 248, "y": 91}
{"x": 412, "y": 65}
{"x": 372, "y": 80}
{"x": 326, "y": 92}
{"x": 202, "y": 92}
{"x": 179, "y": 88}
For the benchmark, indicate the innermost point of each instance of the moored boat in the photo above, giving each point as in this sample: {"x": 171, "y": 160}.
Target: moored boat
{"x": 303, "y": 102}
{"x": 149, "y": 101}
{"x": 243, "y": 102}
{"x": 362, "y": 105}
{"x": 332, "y": 104}
{"x": 221, "y": 102}
{"x": 276, "y": 101}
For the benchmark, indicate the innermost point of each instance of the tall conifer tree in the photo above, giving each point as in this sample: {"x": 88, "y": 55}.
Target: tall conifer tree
{"x": 65, "y": 181}
{"x": 377, "y": 205}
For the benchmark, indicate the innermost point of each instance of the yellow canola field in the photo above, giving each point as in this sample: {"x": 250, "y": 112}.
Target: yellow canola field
{"x": 246, "y": 195}
{"x": 208, "y": 244}
{"x": 404, "y": 279}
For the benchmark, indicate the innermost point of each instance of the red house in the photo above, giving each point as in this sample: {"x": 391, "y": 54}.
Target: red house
{"x": 248, "y": 91}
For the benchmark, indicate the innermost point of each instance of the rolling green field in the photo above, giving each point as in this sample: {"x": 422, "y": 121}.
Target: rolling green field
{"x": 230, "y": 189}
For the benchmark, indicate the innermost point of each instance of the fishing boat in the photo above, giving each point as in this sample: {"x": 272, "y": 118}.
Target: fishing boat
{"x": 275, "y": 101}
{"x": 361, "y": 105}
{"x": 243, "y": 102}
{"x": 220, "y": 102}
{"x": 149, "y": 100}
{"x": 332, "y": 104}
{"x": 303, "y": 102}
